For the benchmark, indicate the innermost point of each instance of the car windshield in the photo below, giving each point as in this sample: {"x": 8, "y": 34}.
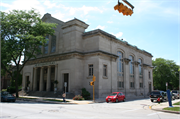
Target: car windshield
{"x": 174, "y": 91}
{"x": 152, "y": 93}
{"x": 113, "y": 94}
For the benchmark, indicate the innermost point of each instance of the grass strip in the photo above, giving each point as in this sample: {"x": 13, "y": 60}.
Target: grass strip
{"x": 178, "y": 103}
{"x": 172, "y": 108}
{"x": 55, "y": 100}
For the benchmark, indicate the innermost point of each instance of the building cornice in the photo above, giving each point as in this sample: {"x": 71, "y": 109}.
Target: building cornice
{"x": 113, "y": 38}
{"x": 68, "y": 55}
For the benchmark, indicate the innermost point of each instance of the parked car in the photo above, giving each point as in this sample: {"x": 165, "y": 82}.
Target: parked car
{"x": 176, "y": 93}
{"x": 6, "y": 96}
{"x": 115, "y": 97}
{"x": 172, "y": 96}
{"x": 154, "y": 95}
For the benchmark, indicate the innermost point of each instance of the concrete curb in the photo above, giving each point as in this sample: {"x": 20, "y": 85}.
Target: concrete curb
{"x": 161, "y": 110}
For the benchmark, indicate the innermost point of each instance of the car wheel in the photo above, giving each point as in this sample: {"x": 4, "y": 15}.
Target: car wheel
{"x": 116, "y": 100}
{"x": 107, "y": 102}
{"x": 124, "y": 100}
{"x": 151, "y": 100}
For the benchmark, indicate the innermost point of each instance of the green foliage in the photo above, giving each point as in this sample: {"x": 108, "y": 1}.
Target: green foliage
{"x": 78, "y": 97}
{"x": 4, "y": 90}
{"x": 19, "y": 79}
{"x": 178, "y": 103}
{"x": 172, "y": 109}
{"x": 11, "y": 89}
{"x": 85, "y": 94}
{"x": 22, "y": 32}
{"x": 165, "y": 71}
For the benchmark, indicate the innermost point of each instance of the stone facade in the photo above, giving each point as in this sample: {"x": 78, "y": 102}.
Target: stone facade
{"x": 73, "y": 56}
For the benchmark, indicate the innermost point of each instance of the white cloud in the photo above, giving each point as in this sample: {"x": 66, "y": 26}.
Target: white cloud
{"x": 109, "y": 22}
{"x": 100, "y": 27}
{"x": 49, "y": 4}
{"x": 118, "y": 35}
{"x": 25, "y": 5}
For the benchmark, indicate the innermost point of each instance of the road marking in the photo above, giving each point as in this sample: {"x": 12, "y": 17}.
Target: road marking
{"x": 154, "y": 113}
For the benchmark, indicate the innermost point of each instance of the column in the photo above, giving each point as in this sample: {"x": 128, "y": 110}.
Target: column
{"x": 35, "y": 79}
{"x": 126, "y": 75}
{"x": 145, "y": 80}
{"x": 136, "y": 78}
{"x": 56, "y": 72}
{"x": 48, "y": 85}
{"x": 41, "y": 79}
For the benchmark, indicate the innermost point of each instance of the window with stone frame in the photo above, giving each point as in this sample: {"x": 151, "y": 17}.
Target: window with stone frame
{"x": 141, "y": 85}
{"x": 46, "y": 45}
{"x": 121, "y": 84}
{"x": 120, "y": 65}
{"x": 131, "y": 65}
{"x": 90, "y": 69}
{"x": 131, "y": 84}
{"x": 149, "y": 75}
{"x": 105, "y": 70}
{"x": 53, "y": 44}
{"x": 140, "y": 67}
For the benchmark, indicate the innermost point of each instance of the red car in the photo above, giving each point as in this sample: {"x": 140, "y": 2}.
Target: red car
{"x": 115, "y": 97}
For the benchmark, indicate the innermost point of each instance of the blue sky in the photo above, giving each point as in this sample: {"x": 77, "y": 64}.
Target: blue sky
{"x": 154, "y": 26}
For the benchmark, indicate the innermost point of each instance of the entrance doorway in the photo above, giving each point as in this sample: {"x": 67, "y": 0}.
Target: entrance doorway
{"x": 66, "y": 79}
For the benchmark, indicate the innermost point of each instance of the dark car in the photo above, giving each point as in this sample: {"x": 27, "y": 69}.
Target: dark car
{"x": 115, "y": 97}
{"x": 176, "y": 93}
{"x": 157, "y": 94}
{"x": 7, "y": 97}
{"x": 166, "y": 97}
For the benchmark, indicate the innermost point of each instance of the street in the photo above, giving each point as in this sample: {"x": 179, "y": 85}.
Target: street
{"x": 137, "y": 109}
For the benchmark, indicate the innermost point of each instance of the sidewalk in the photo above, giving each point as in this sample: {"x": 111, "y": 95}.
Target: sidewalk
{"x": 43, "y": 100}
{"x": 161, "y": 106}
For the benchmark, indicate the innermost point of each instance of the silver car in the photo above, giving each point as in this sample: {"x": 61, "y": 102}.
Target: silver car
{"x": 176, "y": 93}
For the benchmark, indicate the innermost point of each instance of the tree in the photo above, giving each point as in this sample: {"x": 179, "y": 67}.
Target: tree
{"x": 165, "y": 71}
{"x": 22, "y": 33}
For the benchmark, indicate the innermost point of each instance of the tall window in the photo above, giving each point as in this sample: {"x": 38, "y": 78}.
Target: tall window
{"x": 105, "y": 70}
{"x": 53, "y": 44}
{"x": 121, "y": 84}
{"x": 140, "y": 67}
{"x": 91, "y": 70}
{"x": 46, "y": 45}
{"x": 131, "y": 64}
{"x": 149, "y": 75}
{"x": 120, "y": 62}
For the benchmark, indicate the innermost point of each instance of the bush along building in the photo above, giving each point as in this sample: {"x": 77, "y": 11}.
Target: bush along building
{"x": 72, "y": 55}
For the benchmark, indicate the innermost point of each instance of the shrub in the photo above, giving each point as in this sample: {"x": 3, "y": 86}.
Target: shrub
{"x": 78, "y": 97}
{"x": 11, "y": 89}
{"x": 85, "y": 94}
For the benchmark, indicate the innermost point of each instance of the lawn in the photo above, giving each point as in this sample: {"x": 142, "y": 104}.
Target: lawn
{"x": 172, "y": 108}
{"x": 178, "y": 103}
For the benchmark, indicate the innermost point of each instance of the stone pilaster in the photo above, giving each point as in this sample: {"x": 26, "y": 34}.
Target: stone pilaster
{"x": 126, "y": 75}
{"x": 41, "y": 79}
{"x": 48, "y": 86}
{"x": 136, "y": 77}
{"x": 35, "y": 79}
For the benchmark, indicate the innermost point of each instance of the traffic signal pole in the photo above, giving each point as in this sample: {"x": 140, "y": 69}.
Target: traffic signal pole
{"x": 93, "y": 93}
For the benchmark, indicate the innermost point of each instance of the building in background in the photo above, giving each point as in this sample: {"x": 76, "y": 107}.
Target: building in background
{"x": 72, "y": 55}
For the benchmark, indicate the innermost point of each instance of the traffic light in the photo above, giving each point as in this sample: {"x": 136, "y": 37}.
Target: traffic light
{"x": 124, "y": 9}
{"x": 91, "y": 83}
{"x": 94, "y": 78}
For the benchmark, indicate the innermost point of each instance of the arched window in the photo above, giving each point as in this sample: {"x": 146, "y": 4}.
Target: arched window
{"x": 131, "y": 65}
{"x": 140, "y": 67}
{"x": 120, "y": 62}
{"x": 46, "y": 45}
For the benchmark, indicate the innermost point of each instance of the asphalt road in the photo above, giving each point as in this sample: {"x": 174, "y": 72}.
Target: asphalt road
{"x": 137, "y": 109}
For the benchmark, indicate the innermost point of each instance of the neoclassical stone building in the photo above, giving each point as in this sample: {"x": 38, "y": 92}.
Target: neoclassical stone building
{"x": 72, "y": 55}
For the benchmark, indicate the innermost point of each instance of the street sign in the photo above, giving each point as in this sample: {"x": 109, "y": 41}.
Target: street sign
{"x": 65, "y": 84}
